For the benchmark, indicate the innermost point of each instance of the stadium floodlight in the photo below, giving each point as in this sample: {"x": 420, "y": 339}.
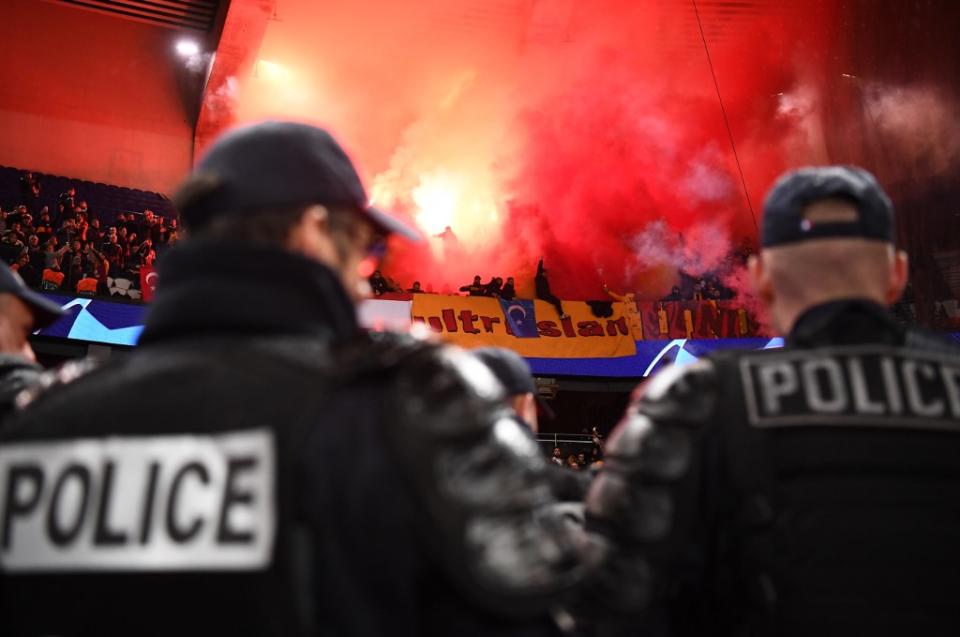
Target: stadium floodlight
{"x": 187, "y": 48}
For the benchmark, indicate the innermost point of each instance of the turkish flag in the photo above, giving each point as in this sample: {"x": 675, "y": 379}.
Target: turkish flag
{"x": 148, "y": 282}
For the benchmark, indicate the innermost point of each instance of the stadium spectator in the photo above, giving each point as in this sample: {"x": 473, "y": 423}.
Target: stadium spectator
{"x": 378, "y": 284}
{"x": 392, "y": 286}
{"x": 449, "y": 240}
{"x": 582, "y": 460}
{"x": 596, "y": 457}
{"x": 34, "y": 250}
{"x": 139, "y": 251}
{"x": 572, "y": 463}
{"x": 674, "y": 295}
{"x": 557, "y": 457}
{"x": 52, "y": 255}
{"x": 509, "y": 291}
{"x": 43, "y": 226}
{"x": 474, "y": 289}
{"x": 698, "y": 289}
{"x": 113, "y": 251}
{"x": 494, "y": 288}
{"x": 29, "y": 186}
{"x": 74, "y": 262}
{"x": 416, "y": 288}
{"x": 146, "y": 223}
{"x": 95, "y": 233}
{"x": 15, "y": 234}
{"x": 68, "y": 231}
{"x": 11, "y": 248}
{"x": 67, "y": 202}
{"x": 543, "y": 290}
{"x": 132, "y": 243}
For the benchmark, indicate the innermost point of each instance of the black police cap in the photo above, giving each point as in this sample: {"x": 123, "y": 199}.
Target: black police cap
{"x": 513, "y": 373}
{"x": 274, "y": 164}
{"x": 784, "y": 221}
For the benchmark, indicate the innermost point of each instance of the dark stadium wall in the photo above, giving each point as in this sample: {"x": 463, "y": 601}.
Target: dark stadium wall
{"x": 91, "y": 96}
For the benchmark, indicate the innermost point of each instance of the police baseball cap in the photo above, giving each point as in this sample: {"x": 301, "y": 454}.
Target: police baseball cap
{"x": 43, "y": 309}
{"x": 275, "y": 164}
{"x": 512, "y": 372}
{"x": 784, "y": 211}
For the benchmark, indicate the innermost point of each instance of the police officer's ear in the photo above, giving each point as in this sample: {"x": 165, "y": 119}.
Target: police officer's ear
{"x": 899, "y": 274}
{"x": 310, "y": 235}
{"x": 316, "y": 215}
{"x": 760, "y": 278}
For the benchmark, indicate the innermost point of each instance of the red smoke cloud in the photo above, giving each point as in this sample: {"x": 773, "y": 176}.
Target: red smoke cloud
{"x": 586, "y": 133}
{"x": 616, "y": 164}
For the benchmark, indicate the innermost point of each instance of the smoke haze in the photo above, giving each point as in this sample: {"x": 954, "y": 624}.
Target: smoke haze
{"x": 586, "y": 133}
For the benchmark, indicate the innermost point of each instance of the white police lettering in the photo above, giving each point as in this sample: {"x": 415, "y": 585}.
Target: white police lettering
{"x": 951, "y": 380}
{"x": 158, "y": 503}
{"x": 911, "y": 373}
{"x": 867, "y": 385}
{"x": 778, "y": 380}
{"x": 829, "y": 397}
{"x": 891, "y": 385}
{"x": 863, "y": 404}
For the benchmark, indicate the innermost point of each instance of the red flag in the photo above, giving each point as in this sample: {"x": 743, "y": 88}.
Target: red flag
{"x": 148, "y": 282}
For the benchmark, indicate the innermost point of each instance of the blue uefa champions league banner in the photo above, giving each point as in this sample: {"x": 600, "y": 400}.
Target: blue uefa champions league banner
{"x": 96, "y": 321}
{"x": 111, "y": 323}
{"x": 651, "y": 356}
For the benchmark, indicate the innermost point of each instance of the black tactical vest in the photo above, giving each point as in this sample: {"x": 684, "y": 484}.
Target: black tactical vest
{"x": 839, "y": 507}
{"x": 256, "y": 467}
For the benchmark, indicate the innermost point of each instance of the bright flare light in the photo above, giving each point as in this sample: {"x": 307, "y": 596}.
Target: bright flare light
{"x": 436, "y": 198}
{"x": 272, "y": 70}
{"x": 187, "y": 48}
{"x": 440, "y": 199}
{"x": 465, "y": 203}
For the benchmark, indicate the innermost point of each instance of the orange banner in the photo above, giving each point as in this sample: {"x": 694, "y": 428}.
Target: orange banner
{"x": 696, "y": 319}
{"x": 478, "y": 322}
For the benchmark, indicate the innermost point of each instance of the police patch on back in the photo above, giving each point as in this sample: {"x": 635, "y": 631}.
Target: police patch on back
{"x": 872, "y": 386}
{"x": 157, "y": 503}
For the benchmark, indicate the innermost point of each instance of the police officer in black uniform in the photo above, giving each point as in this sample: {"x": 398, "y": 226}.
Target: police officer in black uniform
{"x": 809, "y": 490}
{"x": 258, "y": 466}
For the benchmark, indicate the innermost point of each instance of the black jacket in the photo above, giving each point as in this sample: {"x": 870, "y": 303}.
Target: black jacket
{"x": 16, "y": 374}
{"x": 258, "y": 466}
{"x": 809, "y": 490}
{"x": 540, "y": 282}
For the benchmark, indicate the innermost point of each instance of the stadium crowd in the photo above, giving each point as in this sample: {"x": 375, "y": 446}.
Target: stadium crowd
{"x": 74, "y": 249}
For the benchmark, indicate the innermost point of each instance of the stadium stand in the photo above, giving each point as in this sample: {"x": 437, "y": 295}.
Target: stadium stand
{"x": 105, "y": 200}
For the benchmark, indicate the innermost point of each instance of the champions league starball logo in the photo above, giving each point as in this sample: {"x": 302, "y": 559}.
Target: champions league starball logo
{"x": 683, "y": 351}
{"x": 97, "y": 321}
